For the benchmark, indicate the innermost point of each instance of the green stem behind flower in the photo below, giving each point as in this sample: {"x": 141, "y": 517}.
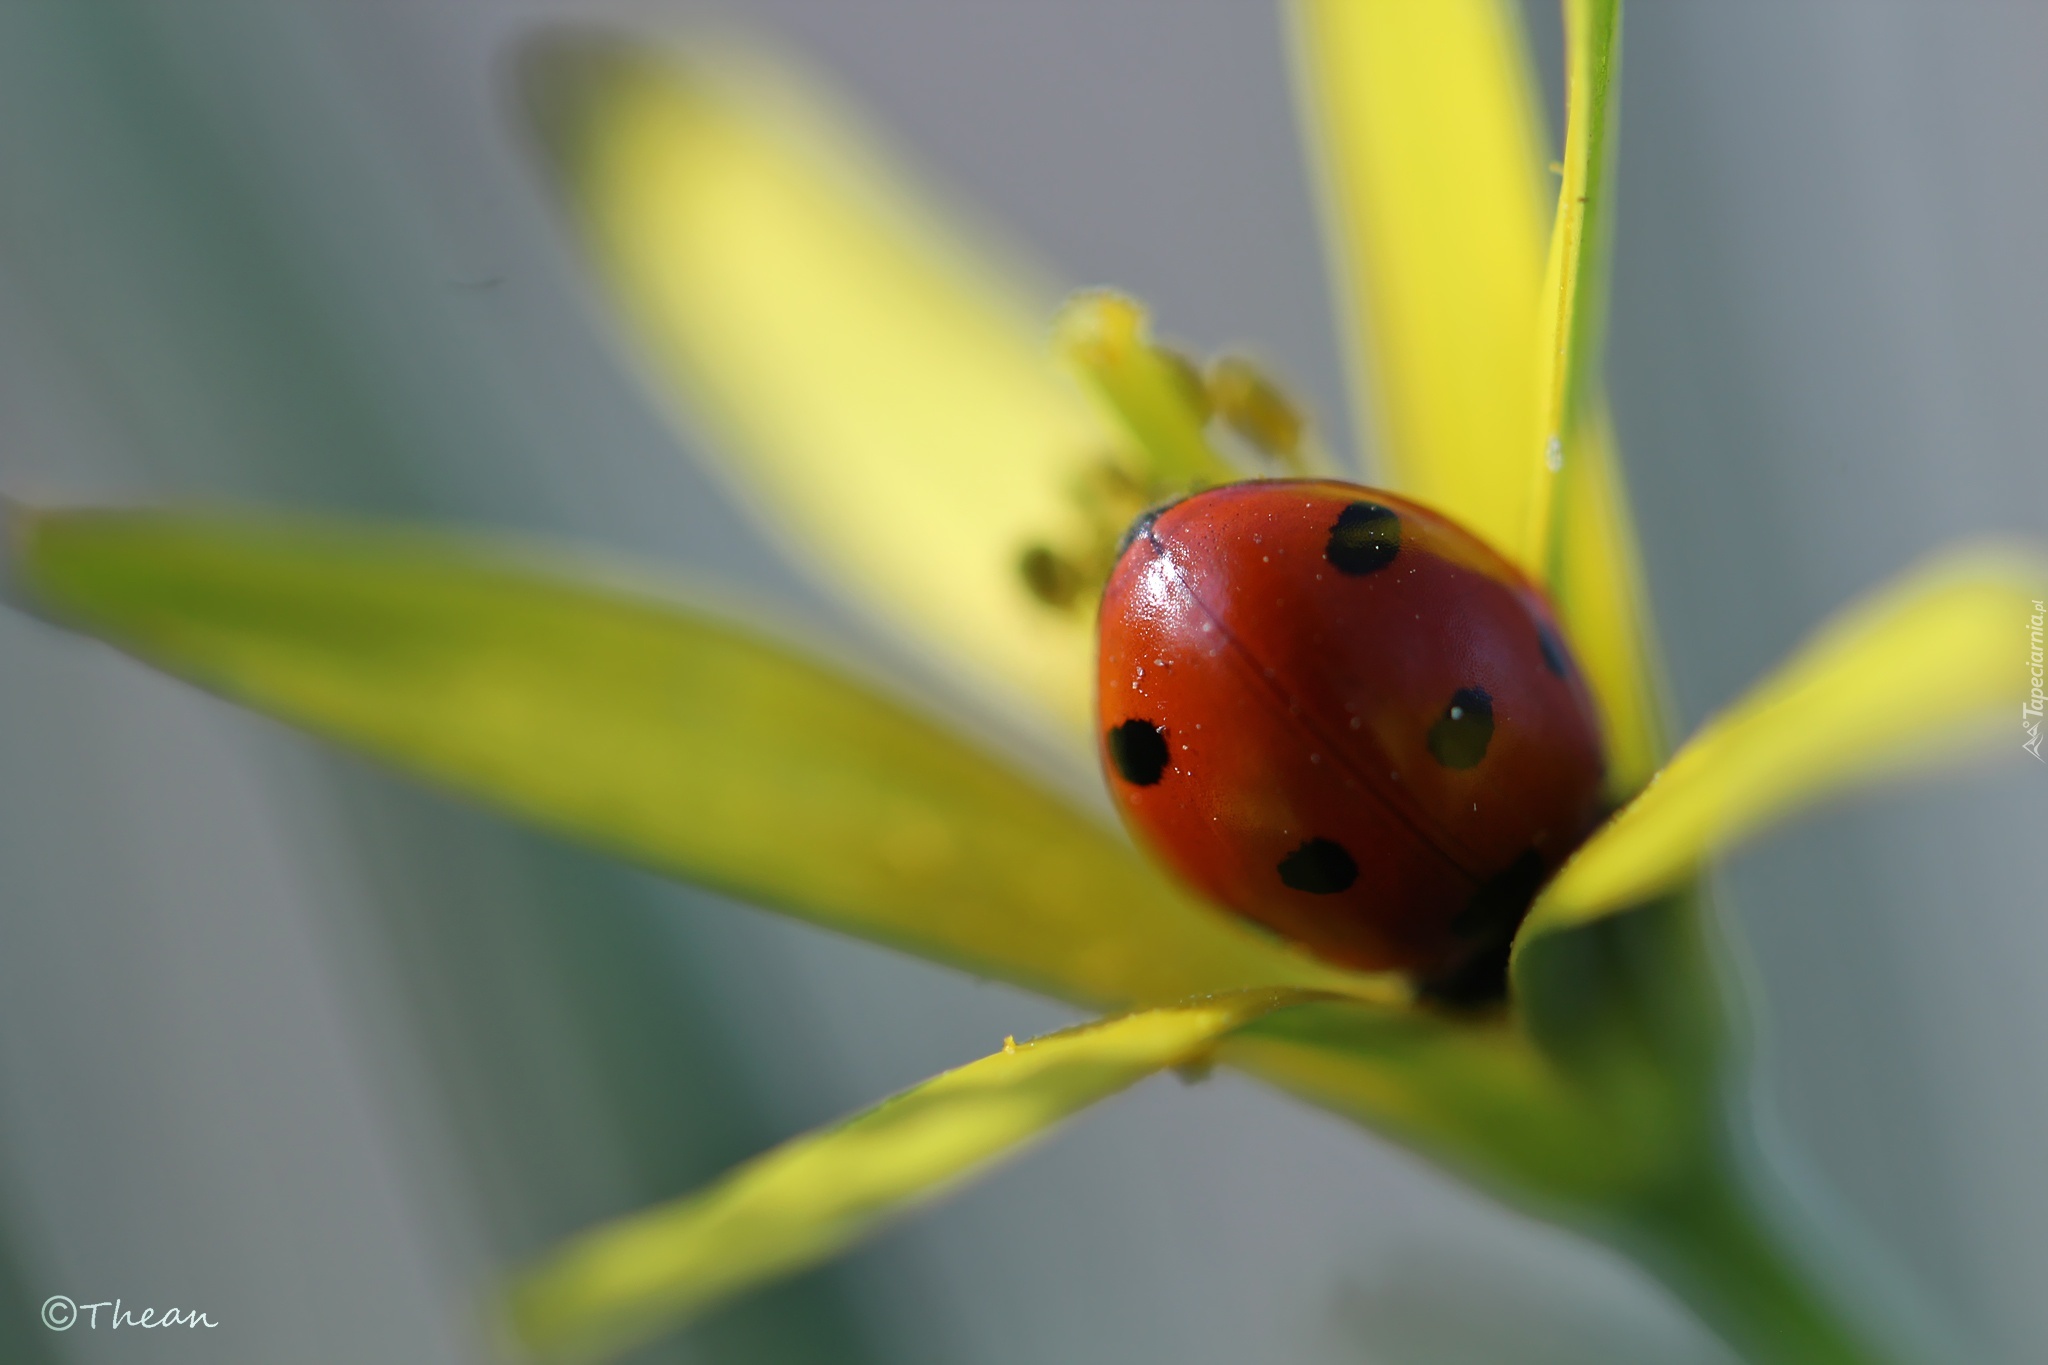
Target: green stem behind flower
{"x": 1709, "y": 1242}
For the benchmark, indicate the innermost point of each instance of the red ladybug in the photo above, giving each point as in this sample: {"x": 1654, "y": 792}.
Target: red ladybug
{"x": 1344, "y": 716}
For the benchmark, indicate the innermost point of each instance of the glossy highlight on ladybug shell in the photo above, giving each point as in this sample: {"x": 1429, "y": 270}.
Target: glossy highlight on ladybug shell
{"x": 1341, "y": 715}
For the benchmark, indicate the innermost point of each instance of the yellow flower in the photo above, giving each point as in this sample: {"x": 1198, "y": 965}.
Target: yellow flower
{"x": 872, "y": 389}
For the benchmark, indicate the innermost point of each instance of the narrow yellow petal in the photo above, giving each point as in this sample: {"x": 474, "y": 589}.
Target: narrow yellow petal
{"x": 871, "y": 386}
{"x": 651, "y": 730}
{"x": 1928, "y": 669}
{"x": 1597, "y": 585}
{"x": 1579, "y": 530}
{"x": 1574, "y": 299}
{"x": 620, "y": 1284}
{"x": 1426, "y": 120}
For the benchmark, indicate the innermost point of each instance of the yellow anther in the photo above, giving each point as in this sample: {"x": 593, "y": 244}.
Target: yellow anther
{"x": 1099, "y": 329}
{"x": 1150, "y": 390}
{"x": 1009, "y": 1044}
{"x": 1105, "y": 484}
{"x": 1066, "y": 571}
{"x": 1161, "y": 402}
{"x": 1256, "y": 408}
{"x": 1194, "y": 391}
{"x": 1052, "y": 578}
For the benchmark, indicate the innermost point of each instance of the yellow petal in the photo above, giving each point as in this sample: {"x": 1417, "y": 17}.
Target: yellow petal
{"x": 1929, "y": 669}
{"x": 1574, "y": 298}
{"x": 1579, "y": 529}
{"x": 871, "y": 387}
{"x": 799, "y": 1204}
{"x": 1597, "y": 584}
{"x": 654, "y": 732}
{"x": 1426, "y": 122}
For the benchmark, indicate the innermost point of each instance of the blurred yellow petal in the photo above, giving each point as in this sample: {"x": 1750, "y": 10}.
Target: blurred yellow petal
{"x": 810, "y": 1198}
{"x": 1430, "y": 141}
{"x": 1928, "y": 669}
{"x": 870, "y": 387}
{"x": 653, "y": 731}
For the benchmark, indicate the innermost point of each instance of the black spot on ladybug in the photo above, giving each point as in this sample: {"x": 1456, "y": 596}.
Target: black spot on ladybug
{"x": 1554, "y": 657}
{"x": 1461, "y": 734}
{"x": 1320, "y": 867}
{"x": 1364, "y": 538}
{"x": 1138, "y": 749}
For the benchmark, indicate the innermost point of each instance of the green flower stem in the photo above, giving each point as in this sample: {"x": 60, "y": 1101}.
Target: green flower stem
{"x": 1708, "y": 1241}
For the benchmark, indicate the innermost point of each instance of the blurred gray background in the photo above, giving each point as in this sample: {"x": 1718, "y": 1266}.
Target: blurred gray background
{"x": 297, "y": 1043}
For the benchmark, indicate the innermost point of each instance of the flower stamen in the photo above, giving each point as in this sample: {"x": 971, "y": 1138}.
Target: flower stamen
{"x": 1254, "y": 407}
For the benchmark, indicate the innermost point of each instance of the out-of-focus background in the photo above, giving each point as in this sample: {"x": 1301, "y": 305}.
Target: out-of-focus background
{"x": 300, "y": 1044}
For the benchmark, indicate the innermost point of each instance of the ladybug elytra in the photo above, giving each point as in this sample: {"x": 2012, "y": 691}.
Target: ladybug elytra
{"x": 1343, "y": 716}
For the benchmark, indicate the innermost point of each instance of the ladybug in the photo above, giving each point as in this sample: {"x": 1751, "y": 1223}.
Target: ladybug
{"x": 1347, "y": 718}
